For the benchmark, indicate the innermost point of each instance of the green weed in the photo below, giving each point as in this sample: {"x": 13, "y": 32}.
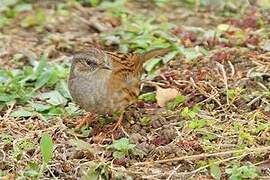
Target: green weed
{"x": 22, "y": 86}
{"x": 238, "y": 172}
{"x": 122, "y": 148}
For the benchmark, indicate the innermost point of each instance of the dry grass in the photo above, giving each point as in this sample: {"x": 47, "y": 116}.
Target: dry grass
{"x": 226, "y": 94}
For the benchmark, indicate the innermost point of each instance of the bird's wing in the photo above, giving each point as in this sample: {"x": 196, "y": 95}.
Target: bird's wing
{"x": 132, "y": 63}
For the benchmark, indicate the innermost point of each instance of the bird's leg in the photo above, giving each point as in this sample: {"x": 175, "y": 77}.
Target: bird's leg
{"x": 119, "y": 121}
{"x": 86, "y": 120}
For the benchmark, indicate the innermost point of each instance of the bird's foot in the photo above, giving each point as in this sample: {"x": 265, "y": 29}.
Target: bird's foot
{"x": 86, "y": 120}
{"x": 119, "y": 122}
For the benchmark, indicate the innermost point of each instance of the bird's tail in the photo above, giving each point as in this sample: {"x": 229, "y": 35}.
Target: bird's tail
{"x": 142, "y": 58}
{"x": 154, "y": 53}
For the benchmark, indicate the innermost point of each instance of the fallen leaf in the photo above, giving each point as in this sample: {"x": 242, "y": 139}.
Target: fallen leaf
{"x": 165, "y": 95}
{"x": 223, "y": 27}
{"x": 266, "y": 46}
{"x": 227, "y": 27}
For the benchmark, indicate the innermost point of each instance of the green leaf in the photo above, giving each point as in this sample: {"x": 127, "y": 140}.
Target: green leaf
{"x": 23, "y": 7}
{"x": 56, "y": 111}
{"x": 197, "y": 123}
{"x": 2, "y": 105}
{"x": 169, "y": 56}
{"x": 138, "y": 152}
{"x": 196, "y": 108}
{"x": 40, "y": 107}
{"x": 6, "y": 138}
{"x": 151, "y": 64}
{"x": 215, "y": 171}
{"x": 185, "y": 112}
{"x": 46, "y": 148}
{"x": 80, "y": 144}
{"x": 73, "y": 110}
{"x": 21, "y": 113}
{"x": 115, "y": 4}
{"x": 122, "y": 147}
{"x": 28, "y": 21}
{"x": 41, "y": 16}
{"x": 238, "y": 172}
{"x": 190, "y": 54}
{"x": 121, "y": 144}
{"x": 148, "y": 97}
{"x": 176, "y": 102}
{"x": 94, "y": 2}
{"x": 62, "y": 87}
{"x": 22, "y": 146}
{"x": 119, "y": 154}
{"x": 53, "y": 97}
{"x": 31, "y": 173}
{"x": 17, "y": 56}
{"x": 161, "y": 2}
{"x": 146, "y": 120}
{"x": 43, "y": 79}
{"x": 9, "y": 2}
{"x": 6, "y": 97}
{"x": 264, "y": 4}
{"x": 86, "y": 131}
{"x": 92, "y": 172}
{"x": 54, "y": 77}
{"x": 3, "y": 21}
{"x": 91, "y": 175}
{"x": 32, "y": 170}
{"x": 41, "y": 65}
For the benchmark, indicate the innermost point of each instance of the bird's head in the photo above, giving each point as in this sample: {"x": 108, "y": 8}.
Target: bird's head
{"x": 90, "y": 61}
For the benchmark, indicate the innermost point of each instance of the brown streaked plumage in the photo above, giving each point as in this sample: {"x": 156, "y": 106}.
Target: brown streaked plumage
{"x": 102, "y": 82}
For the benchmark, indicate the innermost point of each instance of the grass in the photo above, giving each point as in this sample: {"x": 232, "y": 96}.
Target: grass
{"x": 217, "y": 127}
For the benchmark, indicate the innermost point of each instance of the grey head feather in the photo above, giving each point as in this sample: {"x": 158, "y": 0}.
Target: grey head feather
{"x": 86, "y": 59}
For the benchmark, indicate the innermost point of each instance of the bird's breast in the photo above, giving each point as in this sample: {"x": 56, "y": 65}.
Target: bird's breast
{"x": 103, "y": 93}
{"x": 91, "y": 92}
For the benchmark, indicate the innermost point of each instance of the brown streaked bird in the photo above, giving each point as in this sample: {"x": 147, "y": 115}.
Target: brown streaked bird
{"x": 104, "y": 82}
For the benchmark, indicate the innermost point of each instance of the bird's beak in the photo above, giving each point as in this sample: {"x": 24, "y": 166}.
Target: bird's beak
{"x": 107, "y": 67}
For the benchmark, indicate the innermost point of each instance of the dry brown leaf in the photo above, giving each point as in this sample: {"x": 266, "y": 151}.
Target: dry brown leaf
{"x": 165, "y": 95}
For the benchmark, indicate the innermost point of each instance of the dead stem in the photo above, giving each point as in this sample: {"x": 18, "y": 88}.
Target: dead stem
{"x": 199, "y": 156}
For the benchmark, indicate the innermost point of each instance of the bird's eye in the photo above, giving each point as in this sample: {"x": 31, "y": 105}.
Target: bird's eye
{"x": 91, "y": 64}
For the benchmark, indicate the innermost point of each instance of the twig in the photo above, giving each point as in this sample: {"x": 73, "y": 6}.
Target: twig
{"x": 217, "y": 162}
{"x": 262, "y": 86}
{"x": 155, "y": 84}
{"x": 264, "y": 177}
{"x": 232, "y": 68}
{"x": 225, "y": 81}
{"x": 254, "y": 100}
{"x": 8, "y": 111}
{"x": 262, "y": 162}
{"x": 4, "y": 155}
{"x": 205, "y": 94}
{"x": 211, "y": 96}
{"x": 174, "y": 171}
{"x": 124, "y": 131}
{"x": 126, "y": 171}
{"x": 181, "y": 174}
{"x": 54, "y": 177}
{"x": 204, "y": 155}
